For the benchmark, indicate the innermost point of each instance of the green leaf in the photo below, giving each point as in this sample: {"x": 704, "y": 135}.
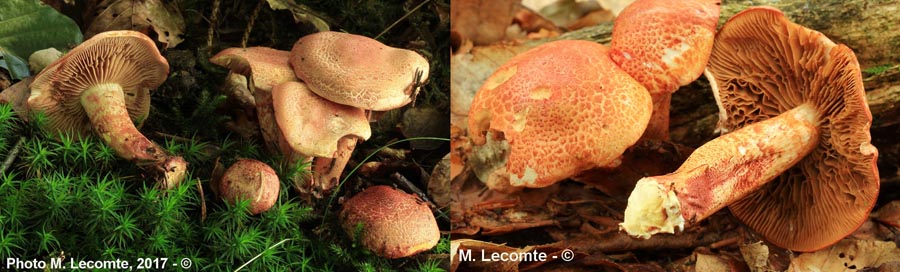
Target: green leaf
{"x": 27, "y": 26}
{"x": 300, "y": 12}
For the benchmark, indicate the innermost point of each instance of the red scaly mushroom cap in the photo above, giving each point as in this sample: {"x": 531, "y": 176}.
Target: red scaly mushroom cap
{"x": 563, "y": 107}
{"x": 394, "y": 224}
{"x": 664, "y": 44}
{"x": 762, "y": 65}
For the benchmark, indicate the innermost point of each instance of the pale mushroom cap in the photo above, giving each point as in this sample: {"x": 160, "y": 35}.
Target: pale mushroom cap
{"x": 564, "y": 107}
{"x": 664, "y": 44}
{"x": 763, "y": 65}
{"x": 358, "y": 71}
{"x": 251, "y": 179}
{"x": 127, "y": 58}
{"x": 394, "y": 224}
{"x": 312, "y": 125}
{"x": 265, "y": 67}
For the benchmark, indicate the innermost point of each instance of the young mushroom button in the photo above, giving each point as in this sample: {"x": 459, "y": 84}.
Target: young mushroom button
{"x": 562, "y": 108}
{"x": 103, "y": 84}
{"x": 358, "y": 71}
{"x": 394, "y": 224}
{"x": 799, "y": 168}
{"x": 251, "y": 180}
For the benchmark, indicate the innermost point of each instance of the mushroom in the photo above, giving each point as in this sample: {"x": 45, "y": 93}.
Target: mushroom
{"x": 556, "y": 110}
{"x": 798, "y": 168}
{"x": 663, "y": 45}
{"x": 394, "y": 224}
{"x": 358, "y": 71}
{"x": 312, "y": 126}
{"x": 264, "y": 67}
{"x": 253, "y": 180}
{"x": 104, "y": 84}
{"x": 296, "y": 122}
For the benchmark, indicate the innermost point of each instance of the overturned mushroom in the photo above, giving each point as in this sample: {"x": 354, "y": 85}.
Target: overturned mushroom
{"x": 558, "y": 109}
{"x": 799, "y": 168}
{"x": 104, "y": 85}
{"x": 358, "y": 71}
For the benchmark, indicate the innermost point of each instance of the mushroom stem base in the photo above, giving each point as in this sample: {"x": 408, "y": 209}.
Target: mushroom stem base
{"x": 721, "y": 172}
{"x": 105, "y": 106}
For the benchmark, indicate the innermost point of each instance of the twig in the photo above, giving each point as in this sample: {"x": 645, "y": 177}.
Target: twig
{"x": 338, "y": 188}
{"x": 406, "y": 184}
{"x": 213, "y": 21}
{"x": 173, "y": 137}
{"x": 202, "y": 202}
{"x": 12, "y": 155}
{"x": 725, "y": 242}
{"x": 402, "y": 18}
{"x": 260, "y": 254}
{"x": 250, "y": 24}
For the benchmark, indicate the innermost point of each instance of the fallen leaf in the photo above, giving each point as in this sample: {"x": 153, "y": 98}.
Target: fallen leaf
{"x": 711, "y": 263}
{"x": 889, "y": 214}
{"x": 757, "y": 256}
{"x": 439, "y": 183}
{"x": 847, "y": 255}
{"x": 481, "y": 21}
{"x": 591, "y": 19}
{"x": 425, "y": 121}
{"x": 615, "y": 6}
{"x": 563, "y": 13}
{"x": 139, "y": 15}
{"x": 470, "y": 68}
{"x": 300, "y": 12}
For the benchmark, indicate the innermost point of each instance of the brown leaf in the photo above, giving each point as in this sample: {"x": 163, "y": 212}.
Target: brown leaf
{"x": 439, "y": 182}
{"x": 300, "y": 12}
{"x": 481, "y": 21}
{"x": 847, "y": 255}
{"x": 470, "y": 68}
{"x": 889, "y": 214}
{"x": 425, "y": 121}
{"x": 138, "y": 15}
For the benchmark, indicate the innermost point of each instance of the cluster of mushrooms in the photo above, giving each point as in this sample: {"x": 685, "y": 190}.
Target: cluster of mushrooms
{"x": 795, "y": 162}
{"x": 313, "y": 104}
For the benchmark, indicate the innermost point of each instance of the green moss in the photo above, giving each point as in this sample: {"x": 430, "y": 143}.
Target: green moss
{"x": 877, "y": 70}
{"x": 75, "y": 197}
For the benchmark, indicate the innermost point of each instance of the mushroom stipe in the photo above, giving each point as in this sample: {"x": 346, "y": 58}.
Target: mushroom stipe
{"x": 77, "y": 98}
